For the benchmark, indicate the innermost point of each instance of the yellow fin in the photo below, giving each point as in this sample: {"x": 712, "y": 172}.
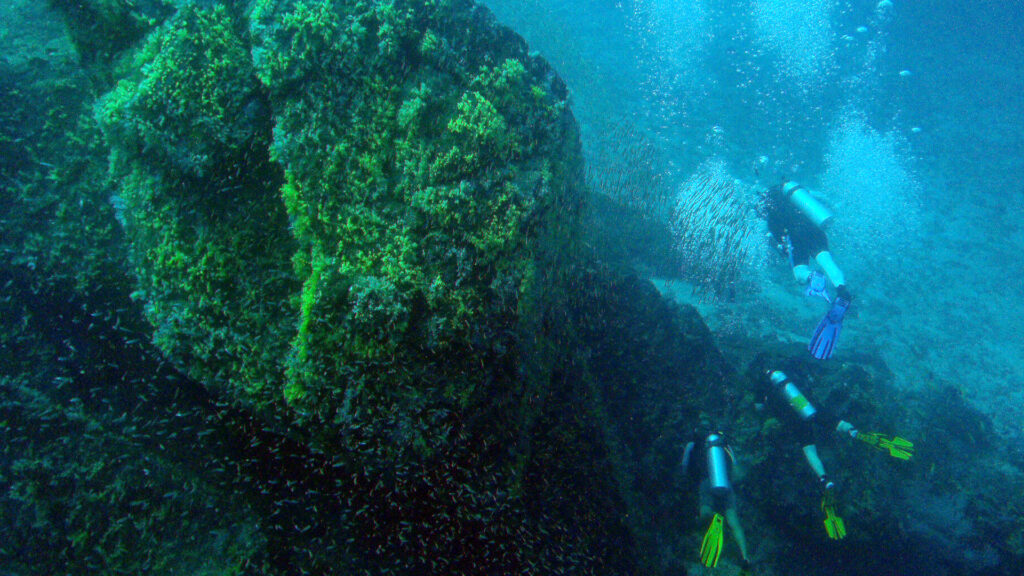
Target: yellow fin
{"x": 834, "y": 525}
{"x": 711, "y": 548}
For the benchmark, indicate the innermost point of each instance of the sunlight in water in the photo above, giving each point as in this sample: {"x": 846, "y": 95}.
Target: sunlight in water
{"x": 869, "y": 179}
{"x": 801, "y": 33}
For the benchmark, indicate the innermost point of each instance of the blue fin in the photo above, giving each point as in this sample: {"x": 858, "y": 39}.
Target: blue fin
{"x": 823, "y": 341}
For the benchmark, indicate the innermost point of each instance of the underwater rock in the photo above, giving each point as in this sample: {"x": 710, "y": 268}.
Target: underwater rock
{"x": 189, "y": 131}
{"x": 100, "y": 29}
{"x": 651, "y": 378}
{"x": 352, "y": 220}
{"x": 420, "y": 160}
{"x": 390, "y": 232}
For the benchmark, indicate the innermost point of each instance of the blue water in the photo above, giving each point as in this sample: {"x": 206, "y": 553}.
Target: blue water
{"x": 908, "y": 118}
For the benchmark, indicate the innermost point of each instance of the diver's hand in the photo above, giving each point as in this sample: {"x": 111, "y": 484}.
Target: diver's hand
{"x": 816, "y": 286}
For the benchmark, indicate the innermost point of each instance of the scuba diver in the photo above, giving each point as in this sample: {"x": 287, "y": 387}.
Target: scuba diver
{"x": 777, "y": 391}
{"x": 796, "y": 221}
{"x": 789, "y": 405}
{"x": 711, "y": 460}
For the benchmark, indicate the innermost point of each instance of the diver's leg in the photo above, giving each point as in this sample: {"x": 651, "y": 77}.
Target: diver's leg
{"x": 811, "y": 454}
{"x": 737, "y": 531}
{"x": 828, "y": 264}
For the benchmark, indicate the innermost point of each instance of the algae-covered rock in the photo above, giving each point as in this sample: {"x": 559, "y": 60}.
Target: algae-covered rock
{"x": 428, "y": 162}
{"x": 397, "y": 216}
{"x": 189, "y": 133}
{"x": 351, "y": 219}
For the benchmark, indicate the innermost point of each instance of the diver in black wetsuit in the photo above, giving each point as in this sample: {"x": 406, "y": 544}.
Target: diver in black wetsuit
{"x": 809, "y": 422}
{"x": 708, "y": 459}
{"x": 776, "y": 391}
{"x": 796, "y": 221}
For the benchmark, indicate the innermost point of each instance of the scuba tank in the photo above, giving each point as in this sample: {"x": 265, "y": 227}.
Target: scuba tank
{"x": 792, "y": 395}
{"x": 807, "y": 204}
{"x": 718, "y": 464}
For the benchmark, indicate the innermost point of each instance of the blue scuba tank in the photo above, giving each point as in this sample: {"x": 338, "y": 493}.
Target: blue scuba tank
{"x": 718, "y": 465}
{"x": 807, "y": 204}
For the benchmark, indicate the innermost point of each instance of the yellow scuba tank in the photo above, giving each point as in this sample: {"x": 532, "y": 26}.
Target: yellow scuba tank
{"x": 807, "y": 204}
{"x": 792, "y": 395}
{"x": 718, "y": 464}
